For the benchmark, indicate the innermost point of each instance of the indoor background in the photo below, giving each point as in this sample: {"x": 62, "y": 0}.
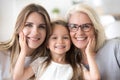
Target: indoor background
{"x": 107, "y": 9}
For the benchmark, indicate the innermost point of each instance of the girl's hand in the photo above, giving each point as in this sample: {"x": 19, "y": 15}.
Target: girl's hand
{"x": 23, "y": 43}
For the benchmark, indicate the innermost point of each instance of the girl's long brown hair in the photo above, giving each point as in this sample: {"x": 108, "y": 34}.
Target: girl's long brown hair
{"x": 73, "y": 56}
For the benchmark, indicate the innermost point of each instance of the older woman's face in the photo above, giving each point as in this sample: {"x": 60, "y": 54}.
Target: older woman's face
{"x": 80, "y": 34}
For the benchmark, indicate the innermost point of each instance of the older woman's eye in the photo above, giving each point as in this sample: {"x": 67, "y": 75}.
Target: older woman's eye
{"x": 86, "y": 26}
{"x": 72, "y": 25}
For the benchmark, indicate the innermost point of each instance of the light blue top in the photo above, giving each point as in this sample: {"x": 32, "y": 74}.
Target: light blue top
{"x": 108, "y": 60}
{"x": 5, "y": 73}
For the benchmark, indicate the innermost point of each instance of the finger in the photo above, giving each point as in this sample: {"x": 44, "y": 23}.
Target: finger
{"x": 20, "y": 37}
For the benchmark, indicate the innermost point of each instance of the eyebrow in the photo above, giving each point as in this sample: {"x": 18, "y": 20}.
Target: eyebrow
{"x": 33, "y": 23}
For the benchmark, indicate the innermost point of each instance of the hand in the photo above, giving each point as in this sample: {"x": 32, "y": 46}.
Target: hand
{"x": 23, "y": 43}
{"x": 90, "y": 49}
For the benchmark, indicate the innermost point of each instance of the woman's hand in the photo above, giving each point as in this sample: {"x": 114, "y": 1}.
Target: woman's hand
{"x": 20, "y": 72}
{"x": 23, "y": 44}
{"x": 90, "y": 49}
{"x": 93, "y": 73}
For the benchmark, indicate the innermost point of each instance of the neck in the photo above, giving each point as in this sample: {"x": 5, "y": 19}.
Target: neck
{"x": 59, "y": 59}
{"x": 30, "y": 52}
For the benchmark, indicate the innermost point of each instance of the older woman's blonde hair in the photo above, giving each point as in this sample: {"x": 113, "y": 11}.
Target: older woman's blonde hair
{"x": 99, "y": 30}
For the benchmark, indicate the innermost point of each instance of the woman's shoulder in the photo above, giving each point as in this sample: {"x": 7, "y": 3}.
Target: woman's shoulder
{"x": 5, "y": 52}
{"x": 113, "y": 42}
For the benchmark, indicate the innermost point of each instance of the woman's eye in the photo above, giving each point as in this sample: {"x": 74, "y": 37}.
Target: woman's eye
{"x": 28, "y": 25}
{"x": 73, "y": 25}
{"x": 42, "y": 26}
{"x": 86, "y": 26}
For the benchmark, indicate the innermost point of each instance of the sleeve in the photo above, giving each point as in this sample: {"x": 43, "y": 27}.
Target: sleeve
{"x": 117, "y": 53}
{"x": 37, "y": 63}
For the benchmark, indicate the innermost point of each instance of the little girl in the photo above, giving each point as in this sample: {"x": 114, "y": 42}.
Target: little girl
{"x": 60, "y": 63}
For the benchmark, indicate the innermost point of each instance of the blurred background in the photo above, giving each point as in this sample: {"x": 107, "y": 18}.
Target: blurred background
{"x": 108, "y": 11}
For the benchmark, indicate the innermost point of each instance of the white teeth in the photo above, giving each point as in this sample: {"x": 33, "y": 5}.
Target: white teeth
{"x": 34, "y": 38}
{"x": 80, "y": 38}
{"x": 60, "y": 47}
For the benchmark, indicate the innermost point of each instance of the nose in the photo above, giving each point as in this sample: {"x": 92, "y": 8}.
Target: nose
{"x": 35, "y": 30}
{"x": 60, "y": 40}
{"x": 79, "y": 30}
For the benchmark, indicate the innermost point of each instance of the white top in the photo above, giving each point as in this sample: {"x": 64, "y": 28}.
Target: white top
{"x": 5, "y": 65}
{"x": 54, "y": 71}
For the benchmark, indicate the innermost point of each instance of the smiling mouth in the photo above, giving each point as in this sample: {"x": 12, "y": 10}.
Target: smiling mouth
{"x": 60, "y": 47}
{"x": 81, "y": 38}
{"x": 34, "y": 39}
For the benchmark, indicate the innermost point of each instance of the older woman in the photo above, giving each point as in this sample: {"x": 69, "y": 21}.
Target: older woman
{"x": 85, "y": 26}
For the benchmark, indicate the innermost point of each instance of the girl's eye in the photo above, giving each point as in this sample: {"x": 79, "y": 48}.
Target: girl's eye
{"x": 53, "y": 37}
{"x": 66, "y": 37}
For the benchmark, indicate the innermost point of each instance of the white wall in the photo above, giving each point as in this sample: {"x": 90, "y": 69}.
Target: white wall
{"x": 6, "y": 18}
{"x": 9, "y": 10}
{"x": 111, "y": 6}
{"x": 47, "y": 4}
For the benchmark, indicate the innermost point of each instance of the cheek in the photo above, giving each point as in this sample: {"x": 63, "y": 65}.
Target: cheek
{"x": 71, "y": 34}
{"x": 25, "y": 31}
{"x": 49, "y": 44}
{"x": 69, "y": 44}
{"x": 44, "y": 34}
{"x": 91, "y": 34}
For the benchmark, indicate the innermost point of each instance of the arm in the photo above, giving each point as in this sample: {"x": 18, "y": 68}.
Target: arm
{"x": 20, "y": 72}
{"x": 93, "y": 73}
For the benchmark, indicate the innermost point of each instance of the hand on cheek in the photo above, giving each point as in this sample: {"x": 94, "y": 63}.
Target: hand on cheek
{"x": 21, "y": 39}
{"x": 23, "y": 44}
{"x": 90, "y": 49}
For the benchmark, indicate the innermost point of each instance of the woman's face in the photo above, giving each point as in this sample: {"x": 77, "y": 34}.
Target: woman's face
{"x": 34, "y": 30}
{"x": 81, "y": 35}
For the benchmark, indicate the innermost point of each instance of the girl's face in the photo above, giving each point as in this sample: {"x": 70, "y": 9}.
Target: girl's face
{"x": 34, "y": 30}
{"x": 84, "y": 31}
{"x": 59, "y": 42}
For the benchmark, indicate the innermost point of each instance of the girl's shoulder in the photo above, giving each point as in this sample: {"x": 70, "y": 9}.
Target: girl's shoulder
{"x": 37, "y": 63}
{"x": 40, "y": 59}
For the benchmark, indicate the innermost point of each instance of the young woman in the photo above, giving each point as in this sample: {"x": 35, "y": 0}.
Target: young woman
{"x": 61, "y": 63}
{"x": 85, "y": 27}
{"x": 33, "y": 23}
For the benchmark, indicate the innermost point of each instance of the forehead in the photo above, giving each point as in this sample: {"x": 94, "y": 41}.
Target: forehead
{"x": 79, "y": 18}
{"x": 34, "y": 16}
{"x": 60, "y": 29}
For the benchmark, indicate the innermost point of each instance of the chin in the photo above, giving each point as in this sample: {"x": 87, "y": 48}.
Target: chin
{"x": 80, "y": 46}
{"x": 33, "y": 47}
